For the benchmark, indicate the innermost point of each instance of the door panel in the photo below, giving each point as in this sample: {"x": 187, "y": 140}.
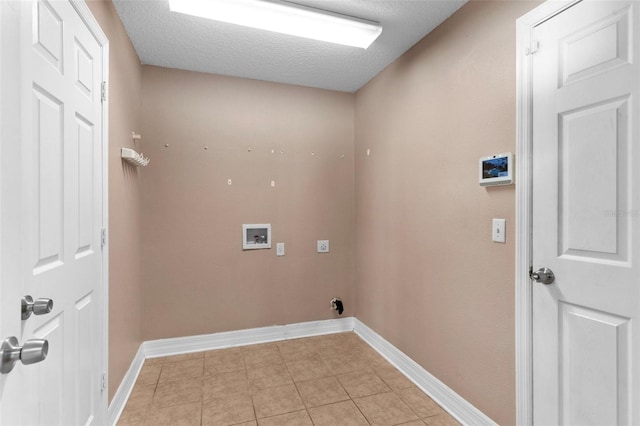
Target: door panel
{"x": 585, "y": 216}
{"x": 48, "y": 34}
{"x": 48, "y": 376}
{"x": 596, "y": 48}
{"x": 592, "y": 140}
{"x": 48, "y": 188}
{"x": 85, "y": 137}
{"x": 86, "y": 379}
{"x": 589, "y": 338}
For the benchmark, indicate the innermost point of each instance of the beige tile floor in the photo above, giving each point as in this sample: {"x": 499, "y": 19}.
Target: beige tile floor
{"x": 328, "y": 380}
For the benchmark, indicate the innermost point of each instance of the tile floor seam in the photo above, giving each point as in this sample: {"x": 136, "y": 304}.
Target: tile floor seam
{"x": 300, "y": 395}
{"x": 360, "y": 411}
{"x": 253, "y": 404}
{"x": 255, "y": 413}
{"x": 286, "y": 365}
{"x": 410, "y": 408}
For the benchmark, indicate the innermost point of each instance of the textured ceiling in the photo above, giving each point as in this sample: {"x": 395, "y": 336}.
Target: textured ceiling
{"x": 185, "y": 42}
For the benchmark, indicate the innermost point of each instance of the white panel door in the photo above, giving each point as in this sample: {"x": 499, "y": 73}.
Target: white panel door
{"x": 57, "y": 68}
{"x": 586, "y": 216}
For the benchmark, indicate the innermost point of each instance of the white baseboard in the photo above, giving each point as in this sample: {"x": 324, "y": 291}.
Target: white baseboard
{"x": 450, "y": 401}
{"x": 228, "y": 339}
{"x": 453, "y": 403}
{"x": 126, "y": 386}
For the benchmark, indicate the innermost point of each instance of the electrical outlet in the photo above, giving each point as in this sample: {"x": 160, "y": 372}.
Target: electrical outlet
{"x": 279, "y": 249}
{"x": 323, "y": 246}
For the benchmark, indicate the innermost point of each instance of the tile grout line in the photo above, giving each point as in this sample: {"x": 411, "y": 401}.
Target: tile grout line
{"x": 253, "y": 404}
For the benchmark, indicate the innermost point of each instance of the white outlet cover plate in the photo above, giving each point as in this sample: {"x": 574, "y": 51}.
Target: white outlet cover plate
{"x": 279, "y": 249}
{"x": 323, "y": 246}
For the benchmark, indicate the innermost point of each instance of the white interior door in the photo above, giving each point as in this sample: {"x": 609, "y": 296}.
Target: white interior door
{"x": 586, "y": 216}
{"x": 52, "y": 211}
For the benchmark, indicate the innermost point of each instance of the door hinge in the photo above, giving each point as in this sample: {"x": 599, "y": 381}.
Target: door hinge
{"x": 103, "y": 237}
{"x": 103, "y": 382}
{"x": 103, "y": 91}
{"x": 535, "y": 46}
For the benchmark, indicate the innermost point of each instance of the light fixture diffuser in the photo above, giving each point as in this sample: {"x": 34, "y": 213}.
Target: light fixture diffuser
{"x": 286, "y": 18}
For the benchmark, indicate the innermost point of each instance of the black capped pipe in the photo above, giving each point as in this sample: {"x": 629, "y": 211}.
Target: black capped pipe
{"x": 336, "y": 305}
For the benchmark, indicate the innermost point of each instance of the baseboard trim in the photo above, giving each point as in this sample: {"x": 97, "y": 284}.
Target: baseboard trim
{"x": 126, "y": 386}
{"x": 228, "y": 339}
{"x": 450, "y": 401}
{"x": 453, "y": 403}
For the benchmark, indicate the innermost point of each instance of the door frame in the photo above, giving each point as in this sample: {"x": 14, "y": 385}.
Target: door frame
{"x": 96, "y": 31}
{"x": 524, "y": 201}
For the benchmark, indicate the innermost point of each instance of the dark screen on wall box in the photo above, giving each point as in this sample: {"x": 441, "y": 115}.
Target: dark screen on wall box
{"x": 495, "y": 167}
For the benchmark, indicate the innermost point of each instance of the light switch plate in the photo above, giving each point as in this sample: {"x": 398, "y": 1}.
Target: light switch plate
{"x": 498, "y": 231}
{"x": 279, "y": 249}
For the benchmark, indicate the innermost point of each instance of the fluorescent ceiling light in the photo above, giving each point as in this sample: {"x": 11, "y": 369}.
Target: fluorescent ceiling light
{"x": 286, "y": 18}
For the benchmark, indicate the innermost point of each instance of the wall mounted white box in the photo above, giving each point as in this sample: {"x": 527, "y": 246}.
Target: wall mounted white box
{"x": 256, "y": 236}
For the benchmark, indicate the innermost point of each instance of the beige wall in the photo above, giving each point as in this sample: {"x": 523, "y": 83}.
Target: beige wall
{"x": 125, "y": 283}
{"x": 197, "y": 278}
{"x": 429, "y": 279}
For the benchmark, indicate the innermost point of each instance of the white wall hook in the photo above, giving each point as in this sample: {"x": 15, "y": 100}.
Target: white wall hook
{"x": 133, "y": 158}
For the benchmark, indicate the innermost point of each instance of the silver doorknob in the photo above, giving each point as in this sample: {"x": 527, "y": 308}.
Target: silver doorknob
{"x": 33, "y": 350}
{"x": 39, "y": 307}
{"x": 543, "y": 275}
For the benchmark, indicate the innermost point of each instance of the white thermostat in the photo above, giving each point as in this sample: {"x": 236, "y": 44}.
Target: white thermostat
{"x": 496, "y": 170}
